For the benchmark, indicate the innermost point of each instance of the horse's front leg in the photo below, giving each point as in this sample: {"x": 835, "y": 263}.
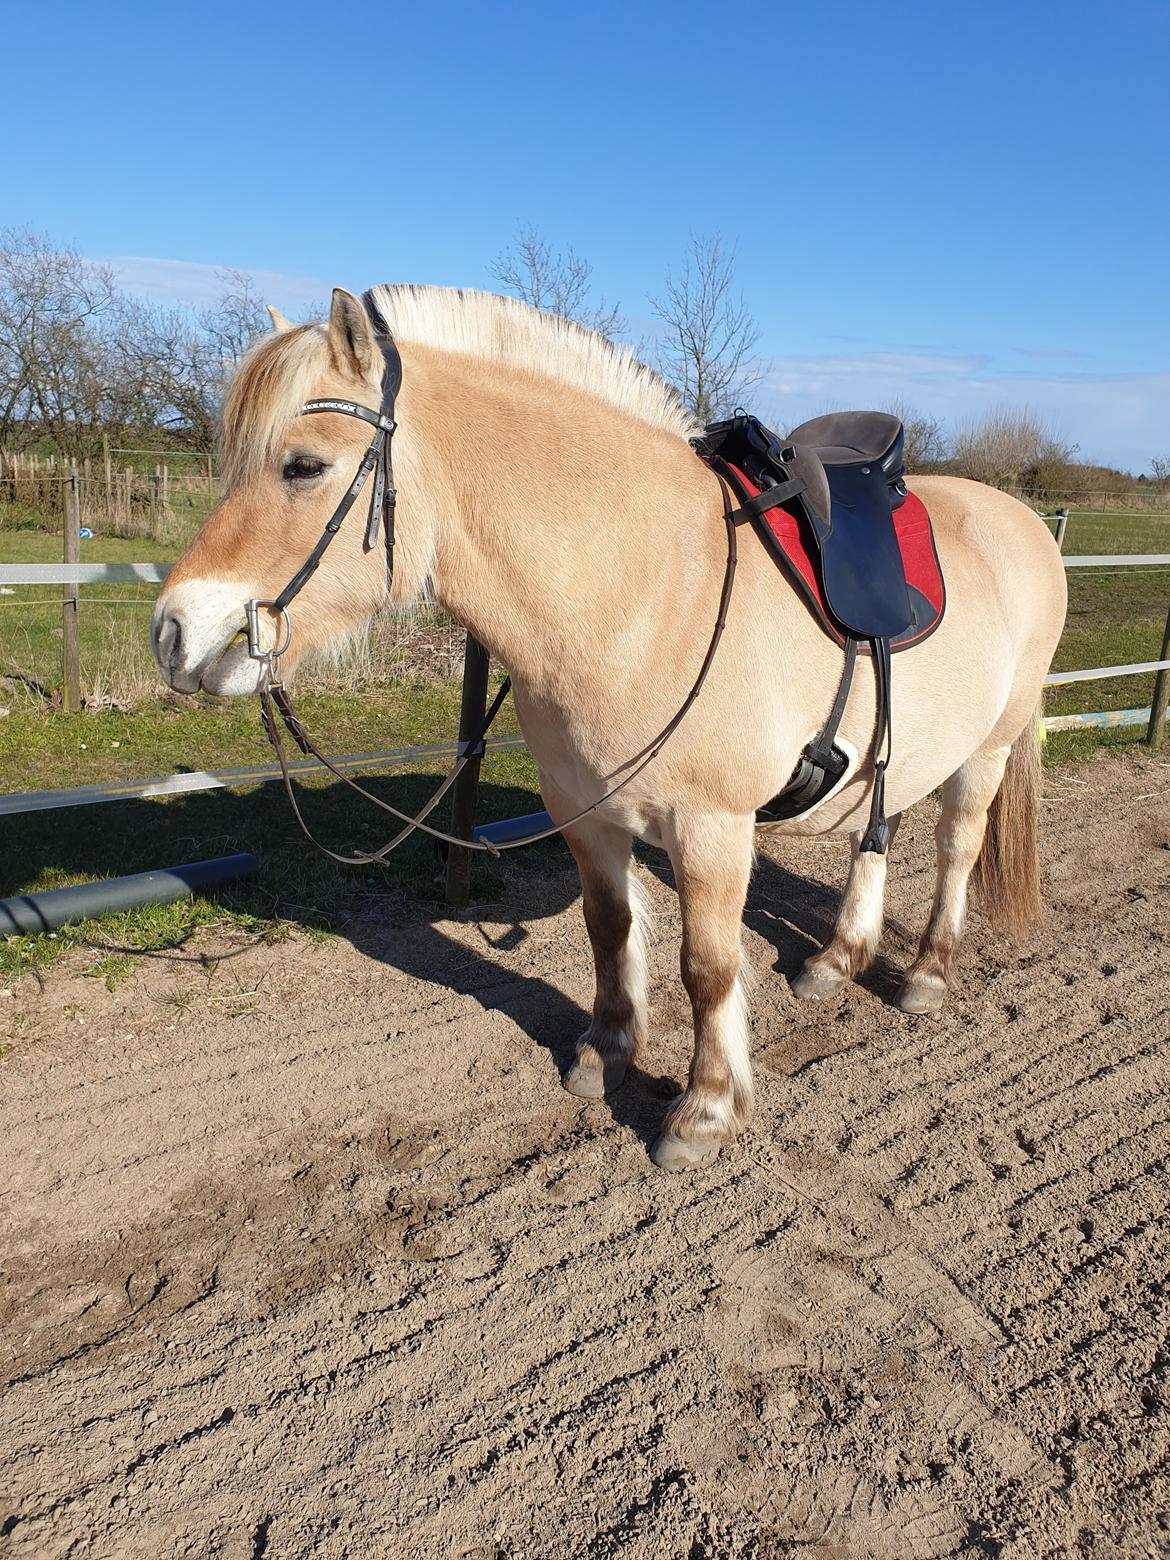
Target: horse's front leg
{"x": 615, "y": 916}
{"x": 712, "y": 858}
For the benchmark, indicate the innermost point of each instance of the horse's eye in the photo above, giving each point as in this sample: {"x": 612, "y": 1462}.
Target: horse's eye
{"x": 301, "y": 467}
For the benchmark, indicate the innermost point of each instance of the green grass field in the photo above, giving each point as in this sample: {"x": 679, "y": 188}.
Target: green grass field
{"x": 1092, "y": 531}
{"x": 1114, "y": 617}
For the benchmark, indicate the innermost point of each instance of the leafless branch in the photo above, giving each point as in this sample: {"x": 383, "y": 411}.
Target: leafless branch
{"x": 554, "y": 282}
{"x": 706, "y": 350}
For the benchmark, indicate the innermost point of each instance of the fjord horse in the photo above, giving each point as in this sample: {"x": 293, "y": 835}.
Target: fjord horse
{"x": 549, "y": 500}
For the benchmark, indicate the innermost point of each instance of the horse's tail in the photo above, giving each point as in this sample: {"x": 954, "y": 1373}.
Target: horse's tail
{"x": 1007, "y": 873}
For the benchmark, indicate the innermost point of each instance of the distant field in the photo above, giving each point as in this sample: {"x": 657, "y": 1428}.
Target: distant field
{"x": 115, "y": 619}
{"x": 1114, "y": 616}
{"x": 116, "y": 661}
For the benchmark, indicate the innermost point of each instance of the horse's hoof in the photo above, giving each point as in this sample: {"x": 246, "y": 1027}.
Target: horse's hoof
{"x": 593, "y": 1083}
{"x": 815, "y": 983}
{"x": 675, "y": 1153}
{"x": 922, "y": 996}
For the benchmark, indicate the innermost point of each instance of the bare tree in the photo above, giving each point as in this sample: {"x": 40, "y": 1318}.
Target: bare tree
{"x": 1160, "y": 473}
{"x": 171, "y": 374}
{"x": 236, "y": 319}
{"x": 79, "y": 358}
{"x": 554, "y": 282}
{"x": 706, "y": 348}
{"x": 53, "y": 362}
{"x": 926, "y": 444}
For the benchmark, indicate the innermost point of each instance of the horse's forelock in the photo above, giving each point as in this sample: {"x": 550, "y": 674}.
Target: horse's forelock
{"x": 274, "y": 380}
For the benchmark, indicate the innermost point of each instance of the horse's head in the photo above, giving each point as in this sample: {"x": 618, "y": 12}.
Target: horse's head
{"x": 285, "y": 474}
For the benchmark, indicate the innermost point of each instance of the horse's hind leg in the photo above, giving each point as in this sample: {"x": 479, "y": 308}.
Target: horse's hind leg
{"x": 712, "y": 858}
{"x": 614, "y": 916}
{"x": 966, "y": 797}
{"x": 858, "y": 927}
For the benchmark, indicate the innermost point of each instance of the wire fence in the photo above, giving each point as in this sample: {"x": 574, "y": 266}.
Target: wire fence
{"x": 163, "y": 499}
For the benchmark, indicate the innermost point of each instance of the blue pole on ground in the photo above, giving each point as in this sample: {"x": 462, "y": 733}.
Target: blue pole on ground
{"x": 59, "y": 906}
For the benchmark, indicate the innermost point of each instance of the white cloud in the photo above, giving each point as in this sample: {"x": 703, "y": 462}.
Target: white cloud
{"x": 188, "y": 281}
{"x": 1121, "y": 419}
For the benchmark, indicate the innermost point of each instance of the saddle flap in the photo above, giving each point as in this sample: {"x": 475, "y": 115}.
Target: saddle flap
{"x": 861, "y": 564}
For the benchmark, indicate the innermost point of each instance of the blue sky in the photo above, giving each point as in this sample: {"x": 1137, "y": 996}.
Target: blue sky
{"x": 956, "y": 205}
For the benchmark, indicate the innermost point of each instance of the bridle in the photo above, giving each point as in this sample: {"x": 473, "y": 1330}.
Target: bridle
{"x": 376, "y": 459}
{"x": 275, "y": 699}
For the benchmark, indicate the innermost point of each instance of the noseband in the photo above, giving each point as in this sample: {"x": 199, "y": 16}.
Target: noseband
{"x": 376, "y": 459}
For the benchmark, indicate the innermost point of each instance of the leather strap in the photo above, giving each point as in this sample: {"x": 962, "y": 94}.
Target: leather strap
{"x": 822, "y": 743}
{"x": 373, "y": 457}
{"x": 275, "y": 697}
{"x": 877, "y": 835}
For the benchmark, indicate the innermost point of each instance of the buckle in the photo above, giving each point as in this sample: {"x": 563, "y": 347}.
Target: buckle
{"x": 256, "y": 649}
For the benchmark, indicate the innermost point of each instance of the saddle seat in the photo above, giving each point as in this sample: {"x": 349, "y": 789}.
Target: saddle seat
{"x": 840, "y": 438}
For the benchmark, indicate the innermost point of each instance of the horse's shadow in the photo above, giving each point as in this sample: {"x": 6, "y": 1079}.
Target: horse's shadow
{"x": 551, "y": 1019}
{"x": 793, "y": 914}
{"x": 395, "y": 915}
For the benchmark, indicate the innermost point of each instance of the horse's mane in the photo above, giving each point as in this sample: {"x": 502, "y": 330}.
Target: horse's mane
{"x": 504, "y": 330}
{"x": 278, "y": 374}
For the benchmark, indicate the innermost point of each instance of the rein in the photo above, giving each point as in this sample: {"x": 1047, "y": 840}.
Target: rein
{"x": 276, "y": 702}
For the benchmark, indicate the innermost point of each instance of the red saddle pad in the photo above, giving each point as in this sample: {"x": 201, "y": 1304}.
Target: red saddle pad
{"x": 791, "y": 542}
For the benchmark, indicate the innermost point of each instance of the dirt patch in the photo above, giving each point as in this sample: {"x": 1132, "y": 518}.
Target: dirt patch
{"x": 306, "y": 1252}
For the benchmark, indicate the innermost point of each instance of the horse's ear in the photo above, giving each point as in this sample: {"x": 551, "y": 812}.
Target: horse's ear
{"x": 279, "y": 323}
{"x": 351, "y": 341}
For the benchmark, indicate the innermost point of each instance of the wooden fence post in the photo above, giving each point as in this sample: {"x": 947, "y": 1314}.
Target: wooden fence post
{"x": 1061, "y": 527}
{"x": 463, "y": 794}
{"x": 1157, "y": 732}
{"x": 71, "y": 683}
{"x": 210, "y": 480}
{"x": 109, "y": 474}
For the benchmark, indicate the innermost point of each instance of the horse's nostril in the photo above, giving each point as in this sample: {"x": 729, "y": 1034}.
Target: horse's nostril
{"x": 170, "y": 637}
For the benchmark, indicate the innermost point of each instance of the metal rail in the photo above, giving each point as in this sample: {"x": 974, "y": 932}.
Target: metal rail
{"x": 1096, "y": 673}
{"x": 83, "y": 573}
{"x": 226, "y": 779}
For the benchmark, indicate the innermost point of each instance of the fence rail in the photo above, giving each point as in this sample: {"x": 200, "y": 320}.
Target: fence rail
{"x": 75, "y": 574}
{"x": 83, "y": 573}
{"x": 1117, "y": 560}
{"x": 1098, "y": 673}
{"x": 226, "y": 779}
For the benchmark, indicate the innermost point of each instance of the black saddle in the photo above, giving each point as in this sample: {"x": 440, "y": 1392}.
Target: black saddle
{"x": 845, "y": 474}
{"x": 852, "y": 468}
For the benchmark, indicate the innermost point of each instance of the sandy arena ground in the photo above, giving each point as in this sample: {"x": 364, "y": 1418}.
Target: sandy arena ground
{"x": 318, "y": 1259}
